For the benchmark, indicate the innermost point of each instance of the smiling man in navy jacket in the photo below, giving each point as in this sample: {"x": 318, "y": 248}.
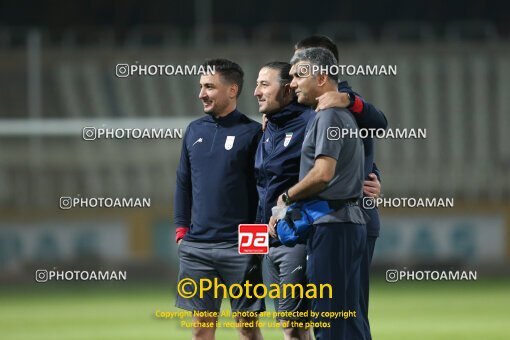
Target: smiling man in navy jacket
{"x": 215, "y": 192}
{"x": 277, "y": 169}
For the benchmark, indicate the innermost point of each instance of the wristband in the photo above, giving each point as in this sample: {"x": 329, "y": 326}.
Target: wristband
{"x": 180, "y": 232}
{"x": 286, "y": 198}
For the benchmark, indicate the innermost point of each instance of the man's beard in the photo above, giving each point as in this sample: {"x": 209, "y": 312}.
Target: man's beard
{"x": 210, "y": 112}
{"x": 214, "y": 111}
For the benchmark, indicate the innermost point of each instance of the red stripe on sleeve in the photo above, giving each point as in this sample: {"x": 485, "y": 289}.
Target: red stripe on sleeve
{"x": 357, "y": 107}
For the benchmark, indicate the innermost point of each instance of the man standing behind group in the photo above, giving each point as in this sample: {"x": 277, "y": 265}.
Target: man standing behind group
{"x": 215, "y": 192}
{"x": 330, "y": 170}
{"x": 277, "y": 169}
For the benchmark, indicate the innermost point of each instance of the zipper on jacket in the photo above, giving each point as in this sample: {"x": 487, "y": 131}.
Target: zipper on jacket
{"x": 264, "y": 166}
{"x": 214, "y": 137}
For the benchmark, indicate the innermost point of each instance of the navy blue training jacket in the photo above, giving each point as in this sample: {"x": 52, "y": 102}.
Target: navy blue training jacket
{"x": 277, "y": 166}
{"x": 278, "y": 155}
{"x": 215, "y": 189}
{"x": 368, "y": 117}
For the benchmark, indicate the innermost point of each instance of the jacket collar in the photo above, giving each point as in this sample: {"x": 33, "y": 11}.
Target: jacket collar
{"x": 229, "y": 119}
{"x": 344, "y": 85}
{"x": 292, "y": 110}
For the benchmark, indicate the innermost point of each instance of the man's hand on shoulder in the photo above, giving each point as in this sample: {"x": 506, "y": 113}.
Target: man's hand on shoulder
{"x": 333, "y": 99}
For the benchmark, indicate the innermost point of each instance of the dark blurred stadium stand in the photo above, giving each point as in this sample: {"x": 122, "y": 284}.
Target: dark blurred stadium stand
{"x": 58, "y": 76}
{"x": 453, "y": 84}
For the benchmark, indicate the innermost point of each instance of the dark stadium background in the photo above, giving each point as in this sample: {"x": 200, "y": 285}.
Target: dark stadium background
{"x": 57, "y": 67}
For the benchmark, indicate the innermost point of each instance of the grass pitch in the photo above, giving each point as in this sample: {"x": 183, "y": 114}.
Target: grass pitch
{"x": 417, "y": 310}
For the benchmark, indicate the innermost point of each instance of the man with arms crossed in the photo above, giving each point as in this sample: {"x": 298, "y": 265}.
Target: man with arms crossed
{"x": 215, "y": 192}
{"x": 277, "y": 169}
{"x": 330, "y": 170}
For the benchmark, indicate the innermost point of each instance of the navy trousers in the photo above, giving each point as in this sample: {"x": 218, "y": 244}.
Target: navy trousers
{"x": 335, "y": 252}
{"x": 365, "y": 282}
{"x": 373, "y": 226}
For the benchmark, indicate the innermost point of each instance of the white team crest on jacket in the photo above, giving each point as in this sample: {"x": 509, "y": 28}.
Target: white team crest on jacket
{"x": 229, "y": 142}
{"x": 288, "y": 137}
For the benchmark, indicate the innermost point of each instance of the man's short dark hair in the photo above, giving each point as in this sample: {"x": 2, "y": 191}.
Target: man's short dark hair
{"x": 229, "y": 70}
{"x": 318, "y": 56}
{"x": 318, "y": 41}
{"x": 283, "y": 68}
